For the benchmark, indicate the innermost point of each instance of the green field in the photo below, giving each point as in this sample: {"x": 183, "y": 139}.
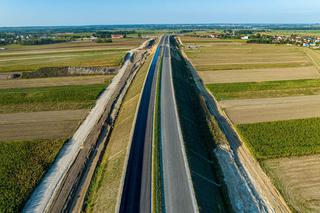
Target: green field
{"x": 282, "y": 138}
{"x": 80, "y": 54}
{"x": 22, "y": 164}
{"x": 49, "y": 98}
{"x": 268, "y": 89}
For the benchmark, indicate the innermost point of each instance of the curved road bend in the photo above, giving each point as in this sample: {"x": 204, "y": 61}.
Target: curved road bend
{"x": 178, "y": 188}
{"x": 136, "y": 195}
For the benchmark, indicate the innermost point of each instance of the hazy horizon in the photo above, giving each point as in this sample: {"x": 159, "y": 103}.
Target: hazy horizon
{"x": 19, "y": 13}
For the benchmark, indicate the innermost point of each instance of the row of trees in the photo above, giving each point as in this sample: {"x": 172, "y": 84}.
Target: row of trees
{"x": 40, "y": 41}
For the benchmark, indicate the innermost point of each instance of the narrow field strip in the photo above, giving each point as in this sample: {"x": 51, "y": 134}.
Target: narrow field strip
{"x": 55, "y": 81}
{"x": 40, "y": 125}
{"x": 49, "y": 98}
{"x": 272, "y": 109}
{"x": 258, "y": 75}
{"x": 269, "y": 89}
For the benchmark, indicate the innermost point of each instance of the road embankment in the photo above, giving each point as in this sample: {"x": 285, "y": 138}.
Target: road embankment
{"x": 248, "y": 187}
{"x": 199, "y": 141}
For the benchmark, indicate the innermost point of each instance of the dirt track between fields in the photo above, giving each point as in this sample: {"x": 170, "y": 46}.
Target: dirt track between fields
{"x": 257, "y": 75}
{"x": 300, "y": 181}
{"x": 272, "y": 109}
{"x": 40, "y": 125}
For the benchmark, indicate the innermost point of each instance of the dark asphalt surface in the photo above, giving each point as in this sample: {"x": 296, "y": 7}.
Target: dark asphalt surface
{"x": 136, "y": 195}
{"x": 178, "y": 189}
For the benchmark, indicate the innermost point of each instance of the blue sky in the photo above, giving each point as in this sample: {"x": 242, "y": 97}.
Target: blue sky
{"x": 83, "y": 12}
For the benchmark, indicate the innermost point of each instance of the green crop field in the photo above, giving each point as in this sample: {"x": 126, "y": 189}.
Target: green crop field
{"x": 268, "y": 89}
{"x": 83, "y": 54}
{"x": 282, "y": 138}
{"x": 49, "y": 98}
{"x": 22, "y": 164}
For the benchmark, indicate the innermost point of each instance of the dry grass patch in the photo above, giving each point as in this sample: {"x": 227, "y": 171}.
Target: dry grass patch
{"x": 40, "y": 125}
{"x": 298, "y": 180}
{"x": 106, "y": 185}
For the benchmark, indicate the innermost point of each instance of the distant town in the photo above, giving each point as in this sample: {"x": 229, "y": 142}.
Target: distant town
{"x": 7, "y": 38}
{"x": 262, "y": 37}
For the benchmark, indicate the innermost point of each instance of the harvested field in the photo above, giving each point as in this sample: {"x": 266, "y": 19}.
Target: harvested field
{"x": 83, "y": 54}
{"x": 282, "y": 138}
{"x": 269, "y": 89}
{"x": 258, "y": 75}
{"x": 105, "y": 187}
{"x": 40, "y": 125}
{"x": 272, "y": 109}
{"x": 314, "y": 56}
{"x": 51, "y": 82}
{"x": 210, "y": 56}
{"x": 298, "y": 180}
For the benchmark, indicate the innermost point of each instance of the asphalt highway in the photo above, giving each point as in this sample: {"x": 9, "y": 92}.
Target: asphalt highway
{"x": 136, "y": 194}
{"x": 178, "y": 188}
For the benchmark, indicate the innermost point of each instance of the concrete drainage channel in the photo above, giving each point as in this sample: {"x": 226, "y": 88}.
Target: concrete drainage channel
{"x": 64, "y": 187}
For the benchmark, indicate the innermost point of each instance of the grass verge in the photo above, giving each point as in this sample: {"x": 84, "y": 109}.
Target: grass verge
{"x": 156, "y": 150}
{"x": 22, "y": 164}
{"x": 282, "y": 138}
{"x": 270, "y": 89}
{"x": 49, "y": 98}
